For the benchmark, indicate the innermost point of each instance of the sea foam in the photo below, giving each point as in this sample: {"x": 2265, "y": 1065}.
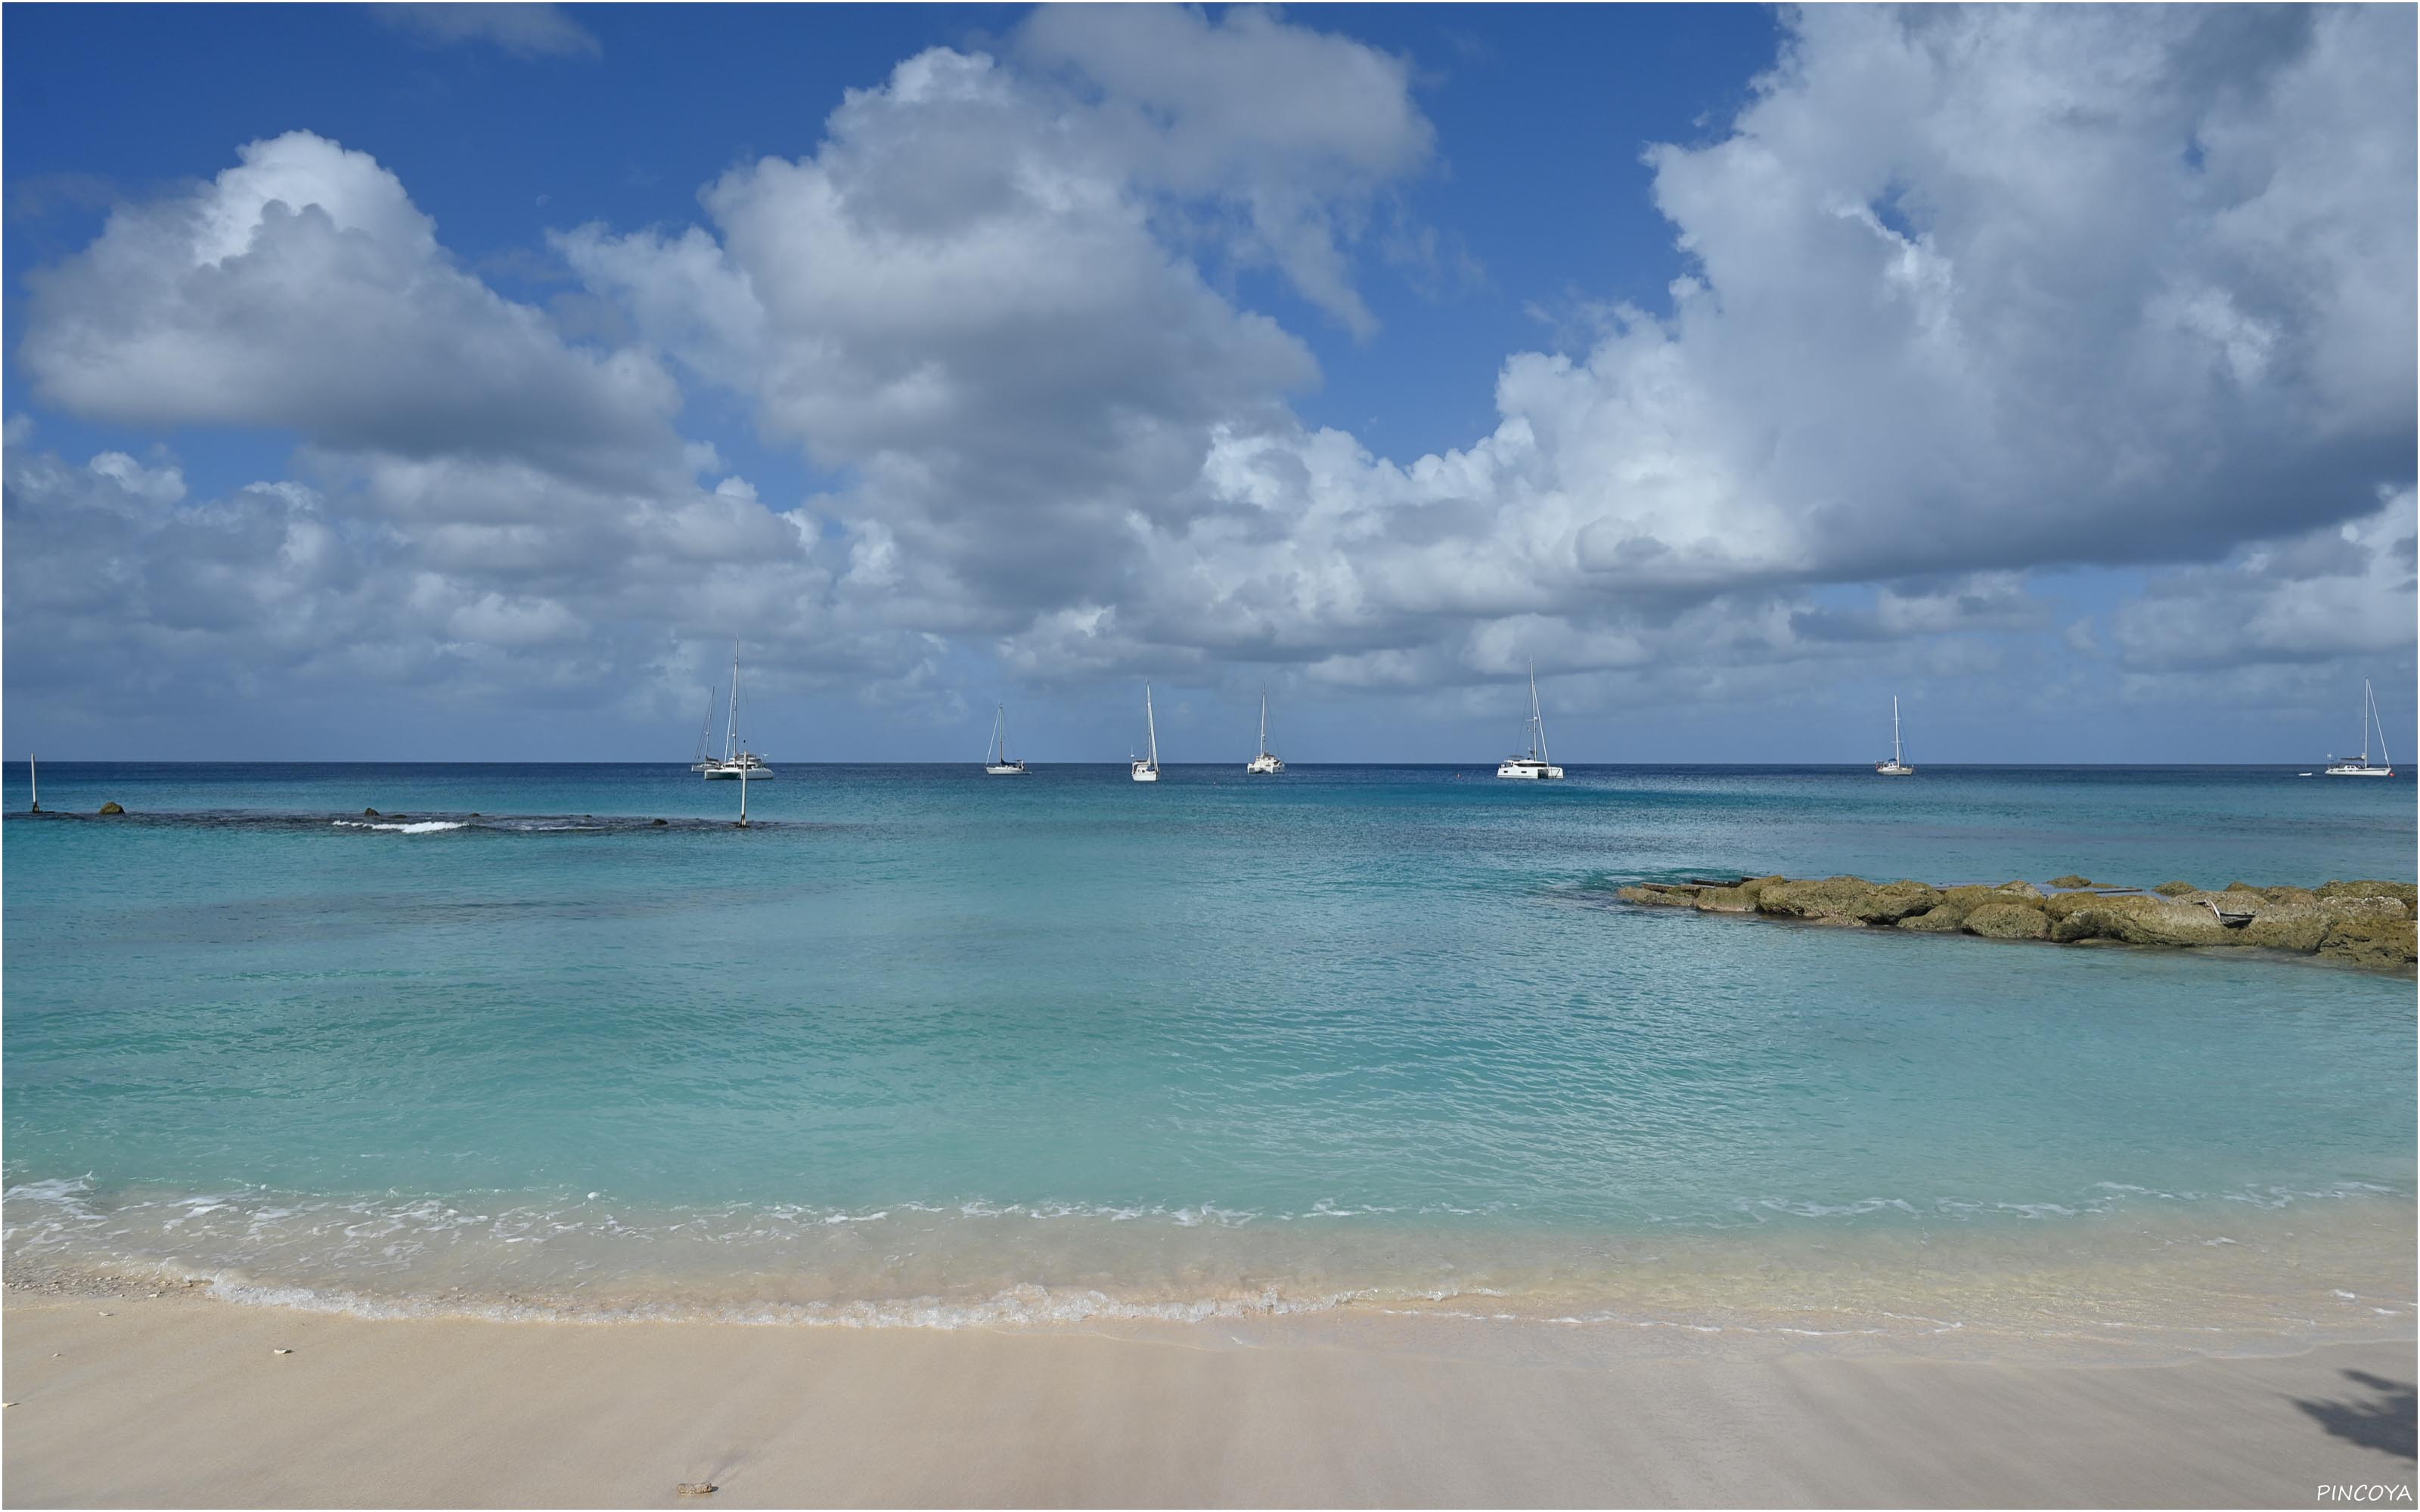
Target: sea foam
{"x": 419, "y": 826}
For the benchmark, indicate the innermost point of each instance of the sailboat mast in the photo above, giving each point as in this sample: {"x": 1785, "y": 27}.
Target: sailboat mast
{"x": 730, "y": 727}
{"x": 2368, "y": 705}
{"x": 1895, "y": 761}
{"x": 1537, "y": 720}
{"x": 1150, "y": 728}
{"x": 1264, "y": 722}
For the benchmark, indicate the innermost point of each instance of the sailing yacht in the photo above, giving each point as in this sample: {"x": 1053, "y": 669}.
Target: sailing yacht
{"x": 1147, "y": 770}
{"x": 702, "y": 757}
{"x": 1534, "y": 766}
{"x": 737, "y": 760}
{"x": 1265, "y": 763}
{"x": 1894, "y": 767}
{"x": 996, "y": 761}
{"x": 2359, "y": 765}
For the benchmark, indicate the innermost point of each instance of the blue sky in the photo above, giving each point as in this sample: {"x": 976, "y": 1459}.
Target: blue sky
{"x": 453, "y": 384}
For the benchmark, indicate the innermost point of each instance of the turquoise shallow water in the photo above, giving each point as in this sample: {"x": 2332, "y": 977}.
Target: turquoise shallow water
{"x": 926, "y": 1046}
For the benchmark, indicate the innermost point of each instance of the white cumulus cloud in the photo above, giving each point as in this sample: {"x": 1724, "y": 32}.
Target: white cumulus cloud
{"x": 1968, "y": 297}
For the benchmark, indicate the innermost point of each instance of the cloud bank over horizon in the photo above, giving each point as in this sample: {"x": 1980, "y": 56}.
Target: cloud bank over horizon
{"x": 1976, "y": 305}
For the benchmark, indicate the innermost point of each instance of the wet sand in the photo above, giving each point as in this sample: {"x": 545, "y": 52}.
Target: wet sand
{"x": 180, "y": 1400}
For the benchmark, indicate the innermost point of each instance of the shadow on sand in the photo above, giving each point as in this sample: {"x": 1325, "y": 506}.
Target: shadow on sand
{"x": 2383, "y": 1420}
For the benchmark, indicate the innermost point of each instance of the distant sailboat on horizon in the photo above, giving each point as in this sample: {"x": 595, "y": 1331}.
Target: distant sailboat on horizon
{"x": 996, "y": 760}
{"x": 1265, "y": 763}
{"x": 1536, "y": 766}
{"x": 1894, "y": 767}
{"x": 2360, "y": 767}
{"x": 1147, "y": 770}
{"x": 737, "y": 760}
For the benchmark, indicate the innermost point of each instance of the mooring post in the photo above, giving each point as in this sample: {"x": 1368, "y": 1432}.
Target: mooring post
{"x": 743, "y": 797}
{"x": 34, "y": 776}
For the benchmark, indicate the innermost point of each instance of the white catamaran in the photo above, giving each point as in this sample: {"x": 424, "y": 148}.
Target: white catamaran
{"x": 1147, "y": 769}
{"x": 1535, "y": 766}
{"x": 1894, "y": 767}
{"x": 1265, "y": 762}
{"x": 2360, "y": 766}
{"x": 737, "y": 760}
{"x": 996, "y": 761}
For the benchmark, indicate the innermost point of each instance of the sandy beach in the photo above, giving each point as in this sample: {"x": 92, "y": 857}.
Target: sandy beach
{"x": 183, "y": 1400}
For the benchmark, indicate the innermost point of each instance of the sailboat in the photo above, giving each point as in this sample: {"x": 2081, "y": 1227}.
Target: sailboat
{"x": 1894, "y": 767}
{"x": 737, "y": 760}
{"x": 1265, "y": 762}
{"x": 996, "y": 761}
{"x": 702, "y": 757}
{"x": 1147, "y": 769}
{"x": 1535, "y": 766}
{"x": 2359, "y": 765}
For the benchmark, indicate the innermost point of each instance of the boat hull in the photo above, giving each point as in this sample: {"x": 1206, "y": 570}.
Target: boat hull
{"x": 1013, "y": 769}
{"x": 2361, "y": 771}
{"x": 1145, "y": 774}
{"x": 732, "y": 773}
{"x": 1264, "y": 766}
{"x": 1530, "y": 771}
{"x": 1893, "y": 769}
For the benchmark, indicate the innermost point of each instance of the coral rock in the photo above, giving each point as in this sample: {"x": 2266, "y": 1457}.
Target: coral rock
{"x": 2370, "y": 942}
{"x": 2008, "y": 921}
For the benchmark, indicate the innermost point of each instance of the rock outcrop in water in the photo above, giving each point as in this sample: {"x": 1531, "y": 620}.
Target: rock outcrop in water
{"x": 111, "y": 808}
{"x": 2365, "y": 923}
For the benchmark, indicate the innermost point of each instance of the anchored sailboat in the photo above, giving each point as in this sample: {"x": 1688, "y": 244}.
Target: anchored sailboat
{"x": 703, "y": 757}
{"x": 2359, "y": 765}
{"x": 1266, "y": 761}
{"x": 737, "y": 760}
{"x": 1147, "y": 770}
{"x": 1894, "y": 767}
{"x": 1535, "y": 766}
{"x": 996, "y": 761}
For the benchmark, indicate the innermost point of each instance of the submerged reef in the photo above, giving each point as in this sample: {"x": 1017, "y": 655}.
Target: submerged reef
{"x": 2362, "y": 923}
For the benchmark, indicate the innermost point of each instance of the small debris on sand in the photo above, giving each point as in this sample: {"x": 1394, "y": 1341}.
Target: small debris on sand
{"x": 695, "y": 1487}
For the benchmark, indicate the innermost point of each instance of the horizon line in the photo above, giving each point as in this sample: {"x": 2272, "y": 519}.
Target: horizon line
{"x": 1113, "y": 762}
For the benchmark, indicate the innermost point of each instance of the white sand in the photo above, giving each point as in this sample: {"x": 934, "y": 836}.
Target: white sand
{"x": 180, "y": 1401}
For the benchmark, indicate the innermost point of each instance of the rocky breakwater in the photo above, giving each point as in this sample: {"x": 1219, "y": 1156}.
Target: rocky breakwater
{"x": 2362, "y": 923}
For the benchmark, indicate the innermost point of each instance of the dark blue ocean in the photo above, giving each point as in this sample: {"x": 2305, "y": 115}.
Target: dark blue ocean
{"x": 921, "y": 1046}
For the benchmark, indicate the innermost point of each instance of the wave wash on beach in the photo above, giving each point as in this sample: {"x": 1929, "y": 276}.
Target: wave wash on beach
{"x": 2136, "y": 1277}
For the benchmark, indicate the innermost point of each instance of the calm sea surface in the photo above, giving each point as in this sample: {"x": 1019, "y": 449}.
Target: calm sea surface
{"x": 921, "y": 1046}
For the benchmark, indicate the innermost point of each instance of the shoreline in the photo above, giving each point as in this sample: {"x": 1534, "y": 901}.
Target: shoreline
{"x": 2130, "y": 1284}
{"x": 181, "y": 1399}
